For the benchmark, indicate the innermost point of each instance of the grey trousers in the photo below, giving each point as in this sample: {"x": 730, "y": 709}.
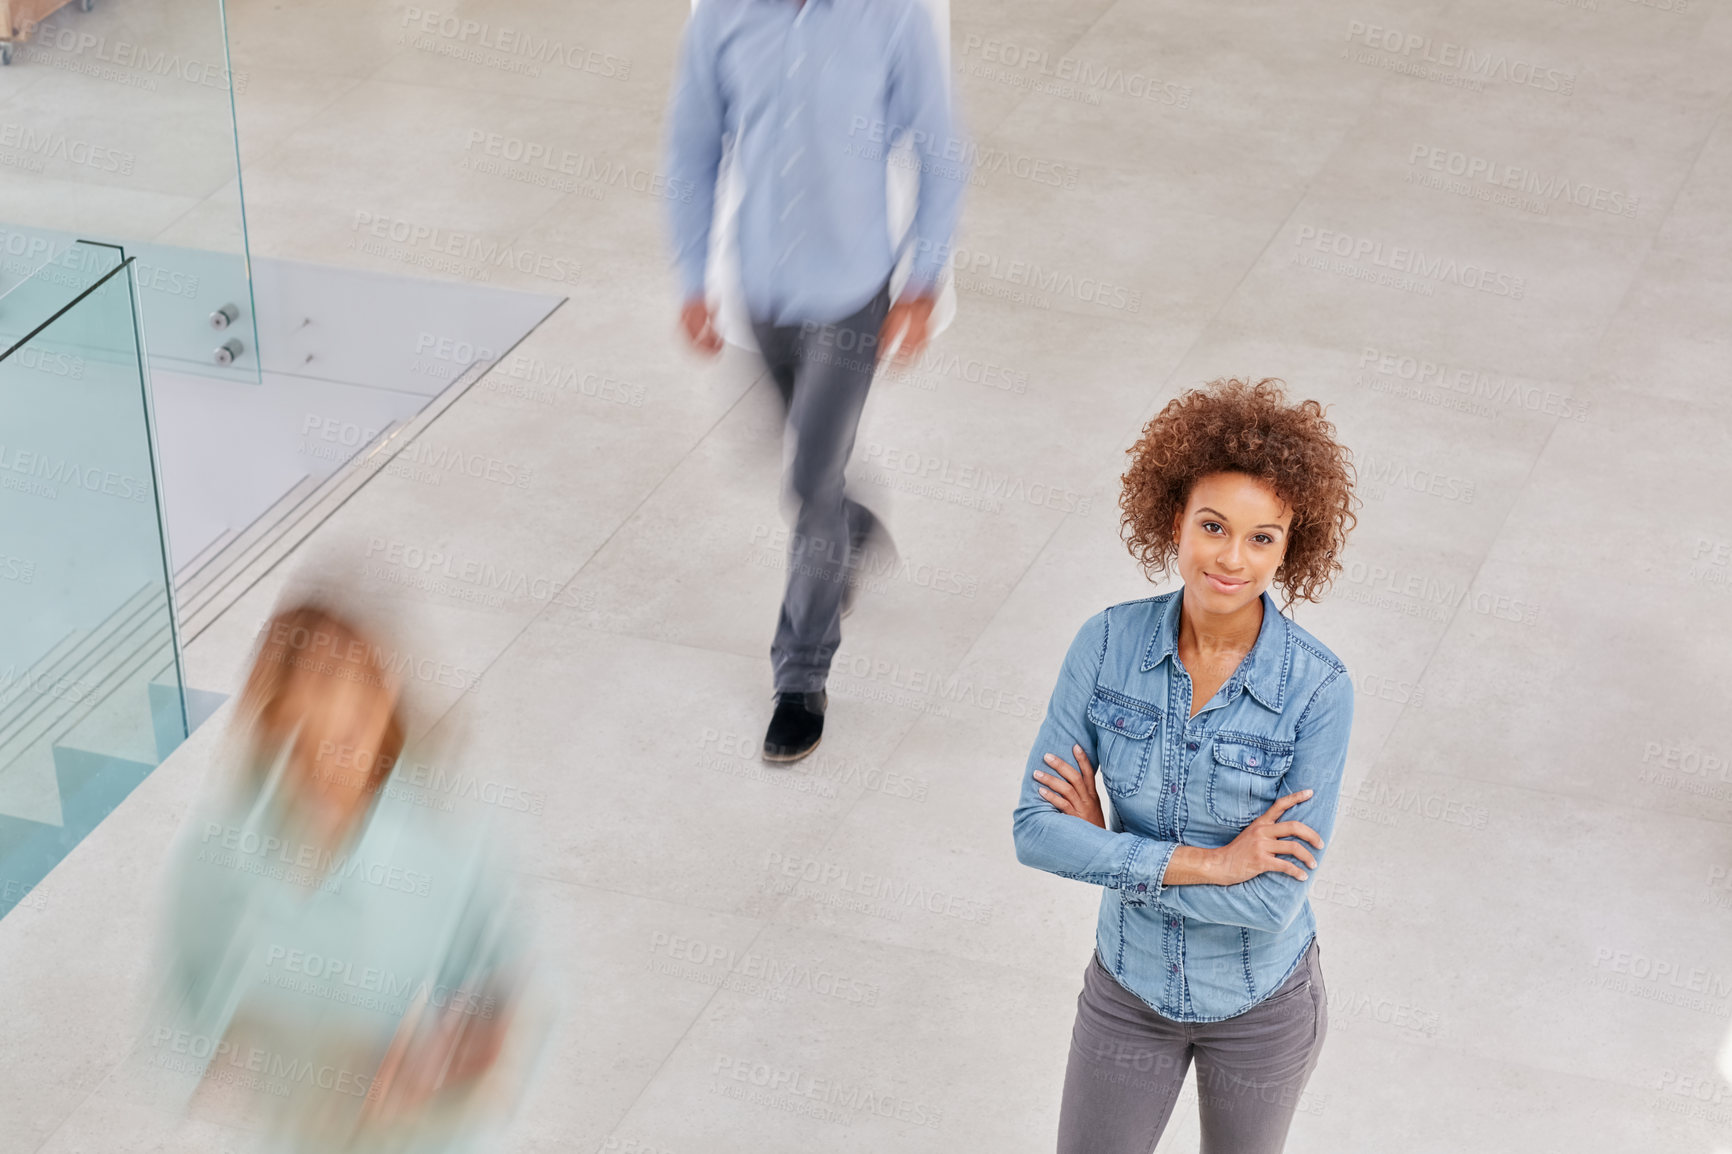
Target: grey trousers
{"x": 822, "y": 373}
{"x": 1127, "y": 1064}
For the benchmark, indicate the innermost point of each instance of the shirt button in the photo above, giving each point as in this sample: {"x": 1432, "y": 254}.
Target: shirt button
{"x": 1190, "y": 745}
{"x": 1172, "y": 925}
{"x": 1141, "y": 886}
{"x": 1175, "y": 967}
{"x": 1172, "y": 789}
{"x": 1119, "y": 721}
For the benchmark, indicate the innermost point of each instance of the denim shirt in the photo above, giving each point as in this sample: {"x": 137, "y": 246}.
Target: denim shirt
{"x": 1194, "y": 953}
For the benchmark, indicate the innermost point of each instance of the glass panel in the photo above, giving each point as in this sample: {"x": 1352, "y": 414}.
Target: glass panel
{"x": 90, "y": 685}
{"x": 117, "y": 125}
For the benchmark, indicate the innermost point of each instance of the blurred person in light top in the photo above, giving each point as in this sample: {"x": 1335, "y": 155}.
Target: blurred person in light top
{"x": 1219, "y": 728}
{"x": 352, "y": 952}
{"x": 811, "y": 95}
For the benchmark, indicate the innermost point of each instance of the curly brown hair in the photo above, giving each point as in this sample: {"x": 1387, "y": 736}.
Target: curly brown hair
{"x": 1235, "y": 426}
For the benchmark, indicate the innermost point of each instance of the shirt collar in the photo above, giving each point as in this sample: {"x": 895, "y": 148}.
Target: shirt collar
{"x": 1263, "y": 673}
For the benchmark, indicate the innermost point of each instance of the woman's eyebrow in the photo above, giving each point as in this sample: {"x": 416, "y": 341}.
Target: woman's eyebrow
{"x": 1223, "y": 517}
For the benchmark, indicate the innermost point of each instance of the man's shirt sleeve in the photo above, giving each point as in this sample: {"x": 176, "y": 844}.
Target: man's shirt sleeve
{"x": 919, "y": 105}
{"x": 696, "y": 122}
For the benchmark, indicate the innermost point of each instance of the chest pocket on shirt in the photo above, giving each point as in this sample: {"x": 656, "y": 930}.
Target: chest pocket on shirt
{"x": 1246, "y": 777}
{"x": 1125, "y": 729}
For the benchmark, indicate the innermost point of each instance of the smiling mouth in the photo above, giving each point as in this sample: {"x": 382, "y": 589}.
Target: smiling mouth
{"x": 1223, "y": 580}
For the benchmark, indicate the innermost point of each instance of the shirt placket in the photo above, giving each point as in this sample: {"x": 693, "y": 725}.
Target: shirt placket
{"x": 1182, "y": 748}
{"x": 790, "y": 108}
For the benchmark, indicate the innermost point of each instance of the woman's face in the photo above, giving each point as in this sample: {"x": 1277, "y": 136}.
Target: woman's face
{"x": 1231, "y": 535}
{"x": 344, "y": 714}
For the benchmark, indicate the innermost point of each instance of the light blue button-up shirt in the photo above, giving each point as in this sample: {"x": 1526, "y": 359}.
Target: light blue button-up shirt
{"x": 812, "y": 97}
{"x": 1279, "y": 725}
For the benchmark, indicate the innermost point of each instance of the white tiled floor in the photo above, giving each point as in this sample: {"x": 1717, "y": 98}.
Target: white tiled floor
{"x": 1473, "y": 1008}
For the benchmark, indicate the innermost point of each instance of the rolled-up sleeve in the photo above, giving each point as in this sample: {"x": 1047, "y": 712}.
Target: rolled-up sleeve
{"x": 1270, "y": 901}
{"x": 1060, "y": 843}
{"x": 696, "y": 122}
{"x": 920, "y": 107}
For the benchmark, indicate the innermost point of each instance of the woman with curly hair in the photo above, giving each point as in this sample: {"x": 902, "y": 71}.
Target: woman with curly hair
{"x": 1220, "y": 729}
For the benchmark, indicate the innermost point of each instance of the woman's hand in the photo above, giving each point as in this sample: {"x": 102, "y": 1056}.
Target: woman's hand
{"x": 1074, "y": 791}
{"x": 436, "y": 1049}
{"x": 1259, "y": 846}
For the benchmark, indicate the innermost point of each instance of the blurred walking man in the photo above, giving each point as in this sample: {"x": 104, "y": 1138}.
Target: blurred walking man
{"x": 811, "y": 95}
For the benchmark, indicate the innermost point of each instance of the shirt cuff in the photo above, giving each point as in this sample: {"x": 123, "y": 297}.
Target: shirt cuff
{"x": 1147, "y": 865}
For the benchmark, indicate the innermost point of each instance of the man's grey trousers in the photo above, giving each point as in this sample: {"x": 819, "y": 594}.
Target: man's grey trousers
{"x": 822, "y": 372}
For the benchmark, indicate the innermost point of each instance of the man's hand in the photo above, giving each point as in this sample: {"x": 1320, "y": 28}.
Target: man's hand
{"x": 907, "y": 319}
{"x": 1259, "y": 847}
{"x": 1074, "y": 792}
{"x": 699, "y": 325}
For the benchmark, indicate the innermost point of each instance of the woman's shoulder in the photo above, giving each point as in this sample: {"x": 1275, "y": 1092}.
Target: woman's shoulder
{"x": 1132, "y": 616}
{"x": 1312, "y": 659}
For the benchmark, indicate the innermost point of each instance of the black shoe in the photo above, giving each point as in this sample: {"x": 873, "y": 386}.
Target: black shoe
{"x": 869, "y": 542}
{"x": 797, "y": 725}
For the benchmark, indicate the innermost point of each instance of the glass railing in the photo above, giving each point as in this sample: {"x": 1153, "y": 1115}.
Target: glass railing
{"x": 91, "y": 695}
{"x": 117, "y": 123}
